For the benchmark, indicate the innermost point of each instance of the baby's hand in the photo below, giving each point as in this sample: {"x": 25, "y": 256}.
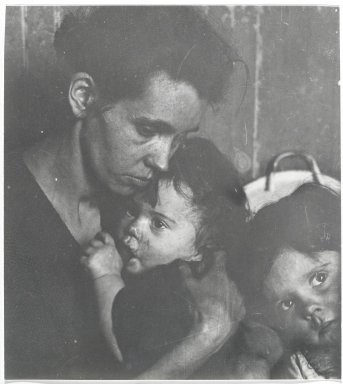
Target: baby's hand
{"x": 102, "y": 257}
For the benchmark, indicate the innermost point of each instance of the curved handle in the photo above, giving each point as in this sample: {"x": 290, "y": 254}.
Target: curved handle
{"x": 308, "y": 159}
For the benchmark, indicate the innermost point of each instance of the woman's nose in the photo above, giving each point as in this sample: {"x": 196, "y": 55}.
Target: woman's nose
{"x": 159, "y": 156}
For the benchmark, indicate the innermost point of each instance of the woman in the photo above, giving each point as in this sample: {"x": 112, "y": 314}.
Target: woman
{"x": 138, "y": 80}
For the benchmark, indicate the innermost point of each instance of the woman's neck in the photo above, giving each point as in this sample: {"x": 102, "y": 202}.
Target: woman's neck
{"x": 58, "y": 167}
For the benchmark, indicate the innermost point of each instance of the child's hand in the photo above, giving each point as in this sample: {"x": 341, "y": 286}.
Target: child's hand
{"x": 299, "y": 368}
{"x": 102, "y": 257}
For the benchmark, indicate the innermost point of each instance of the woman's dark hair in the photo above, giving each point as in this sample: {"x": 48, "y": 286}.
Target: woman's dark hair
{"x": 120, "y": 47}
{"x": 307, "y": 221}
{"x": 216, "y": 192}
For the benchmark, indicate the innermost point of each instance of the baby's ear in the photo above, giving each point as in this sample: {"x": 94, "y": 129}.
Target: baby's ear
{"x": 197, "y": 257}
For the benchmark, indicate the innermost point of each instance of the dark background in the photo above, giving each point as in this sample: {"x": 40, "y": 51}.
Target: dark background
{"x": 292, "y": 99}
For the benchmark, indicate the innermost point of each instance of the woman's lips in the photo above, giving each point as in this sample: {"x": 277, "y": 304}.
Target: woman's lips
{"x": 139, "y": 181}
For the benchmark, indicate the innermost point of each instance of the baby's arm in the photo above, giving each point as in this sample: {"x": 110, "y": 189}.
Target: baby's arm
{"x": 104, "y": 265}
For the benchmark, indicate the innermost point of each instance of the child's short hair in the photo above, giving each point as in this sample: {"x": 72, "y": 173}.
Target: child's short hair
{"x": 216, "y": 192}
{"x": 307, "y": 221}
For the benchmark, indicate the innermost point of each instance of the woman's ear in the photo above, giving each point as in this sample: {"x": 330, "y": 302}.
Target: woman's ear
{"x": 82, "y": 93}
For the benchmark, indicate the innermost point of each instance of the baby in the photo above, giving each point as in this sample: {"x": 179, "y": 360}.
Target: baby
{"x": 195, "y": 208}
{"x": 293, "y": 280}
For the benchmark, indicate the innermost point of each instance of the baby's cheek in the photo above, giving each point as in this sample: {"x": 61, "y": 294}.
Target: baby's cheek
{"x": 121, "y": 228}
{"x": 134, "y": 266}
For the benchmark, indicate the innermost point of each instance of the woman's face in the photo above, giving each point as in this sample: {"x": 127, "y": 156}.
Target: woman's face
{"x": 303, "y": 292}
{"x": 158, "y": 235}
{"x": 125, "y": 144}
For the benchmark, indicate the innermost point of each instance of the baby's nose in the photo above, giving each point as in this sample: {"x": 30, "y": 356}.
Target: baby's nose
{"x": 131, "y": 242}
{"x": 133, "y": 231}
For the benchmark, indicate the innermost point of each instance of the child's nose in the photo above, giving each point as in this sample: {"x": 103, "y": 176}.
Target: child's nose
{"x": 314, "y": 313}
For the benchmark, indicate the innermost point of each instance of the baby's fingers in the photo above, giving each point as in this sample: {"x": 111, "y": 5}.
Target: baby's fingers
{"x": 84, "y": 261}
{"x": 96, "y": 243}
{"x": 90, "y": 250}
{"x": 105, "y": 238}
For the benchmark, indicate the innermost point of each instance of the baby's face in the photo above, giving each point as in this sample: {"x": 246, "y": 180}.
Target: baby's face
{"x": 303, "y": 293}
{"x": 159, "y": 235}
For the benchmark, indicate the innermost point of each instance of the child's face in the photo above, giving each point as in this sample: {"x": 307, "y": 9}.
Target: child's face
{"x": 303, "y": 293}
{"x": 161, "y": 234}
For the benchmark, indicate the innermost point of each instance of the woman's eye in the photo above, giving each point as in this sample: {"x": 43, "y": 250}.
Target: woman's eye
{"x": 146, "y": 130}
{"x": 159, "y": 224}
{"x": 319, "y": 278}
{"x": 286, "y": 304}
{"x": 177, "y": 141}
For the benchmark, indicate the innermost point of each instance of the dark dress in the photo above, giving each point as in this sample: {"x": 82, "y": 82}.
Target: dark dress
{"x": 153, "y": 313}
{"x": 150, "y": 316}
{"x": 51, "y": 328}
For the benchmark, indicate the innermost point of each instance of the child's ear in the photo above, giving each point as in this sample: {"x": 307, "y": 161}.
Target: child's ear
{"x": 196, "y": 257}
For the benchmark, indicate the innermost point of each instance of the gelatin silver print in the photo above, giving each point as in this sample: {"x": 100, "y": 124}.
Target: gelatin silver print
{"x": 172, "y": 189}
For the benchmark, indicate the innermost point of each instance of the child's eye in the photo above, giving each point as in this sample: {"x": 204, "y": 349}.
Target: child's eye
{"x": 286, "y": 304}
{"x": 159, "y": 224}
{"x": 319, "y": 278}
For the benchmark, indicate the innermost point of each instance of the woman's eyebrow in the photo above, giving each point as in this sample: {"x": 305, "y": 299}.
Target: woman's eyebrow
{"x": 160, "y": 126}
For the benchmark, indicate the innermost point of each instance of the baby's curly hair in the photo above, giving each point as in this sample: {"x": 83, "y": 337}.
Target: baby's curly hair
{"x": 208, "y": 180}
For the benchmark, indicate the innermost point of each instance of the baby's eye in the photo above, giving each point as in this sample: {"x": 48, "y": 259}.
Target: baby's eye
{"x": 319, "y": 278}
{"x": 159, "y": 224}
{"x": 286, "y": 304}
{"x": 129, "y": 213}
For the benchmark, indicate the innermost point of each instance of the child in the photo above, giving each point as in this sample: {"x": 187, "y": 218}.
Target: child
{"x": 196, "y": 207}
{"x": 293, "y": 280}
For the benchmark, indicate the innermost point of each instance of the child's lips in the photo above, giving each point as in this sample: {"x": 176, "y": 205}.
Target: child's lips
{"x": 330, "y": 332}
{"x": 327, "y": 326}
